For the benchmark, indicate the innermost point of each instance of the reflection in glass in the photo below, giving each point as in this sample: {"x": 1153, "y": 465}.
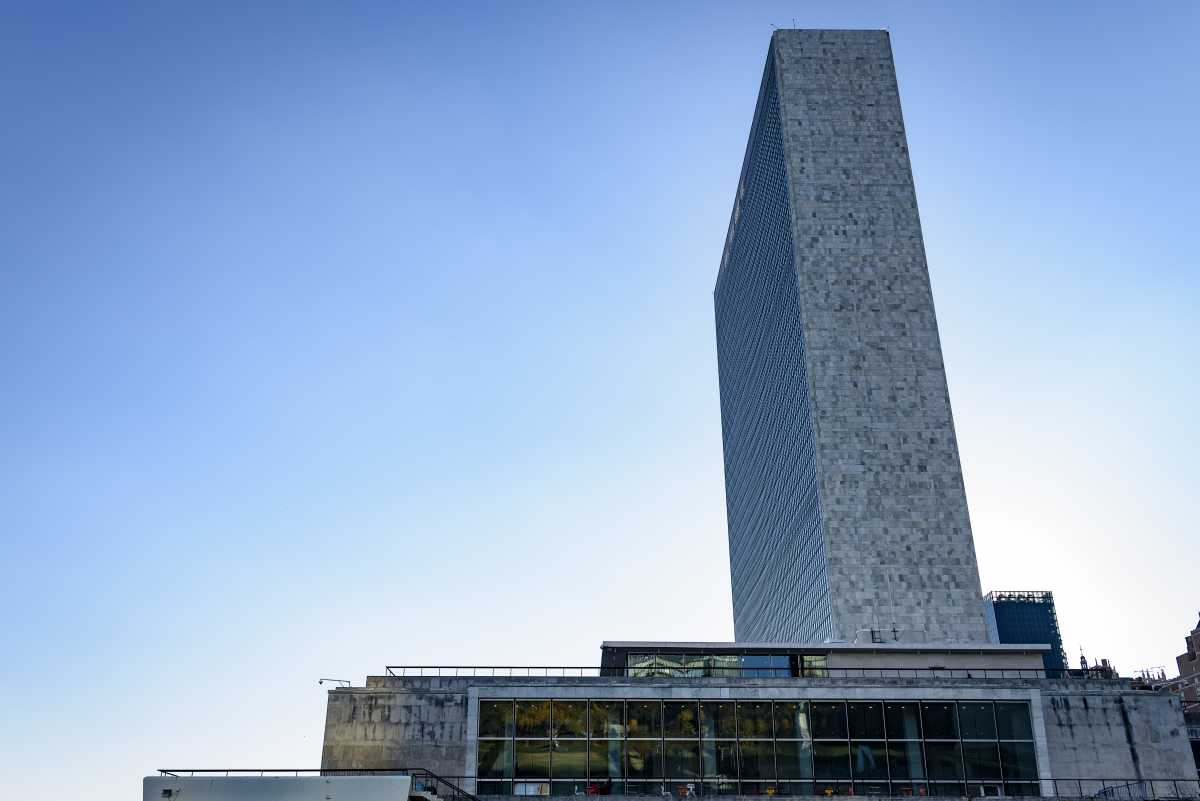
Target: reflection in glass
{"x": 977, "y": 721}
{"x": 605, "y": 758}
{"x": 940, "y": 721}
{"x": 1012, "y": 721}
{"x": 754, "y": 719}
{"x": 643, "y": 759}
{"x": 905, "y": 760}
{"x": 680, "y": 719}
{"x": 1018, "y": 760}
{"x": 533, "y": 759}
{"x": 608, "y": 718}
{"x": 495, "y": 718}
{"x": 866, "y": 720}
{"x": 868, "y": 760}
{"x": 568, "y": 759}
{"x": 903, "y": 721}
{"x": 791, "y": 719}
{"x": 716, "y": 719}
{"x": 756, "y": 759}
{"x": 982, "y": 760}
{"x": 569, "y": 718}
{"x": 643, "y": 718}
{"x": 944, "y": 760}
{"x": 794, "y": 759}
{"x": 533, "y": 719}
{"x": 718, "y": 759}
{"x": 495, "y": 759}
{"x": 815, "y": 665}
{"x": 831, "y": 760}
{"x": 682, "y": 759}
{"x": 828, "y": 719}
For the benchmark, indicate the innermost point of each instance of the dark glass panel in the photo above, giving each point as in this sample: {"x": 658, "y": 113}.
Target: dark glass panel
{"x": 1012, "y": 721}
{"x": 681, "y": 719}
{"x": 1018, "y": 760}
{"x": 1019, "y": 789}
{"x": 943, "y": 760}
{"x": 877, "y": 788}
{"x": 831, "y": 760}
{"x": 828, "y": 720}
{"x": 568, "y": 759}
{"x": 533, "y": 759}
{"x": 578, "y": 787}
{"x": 754, "y": 719}
{"x": 794, "y": 788}
{"x": 903, "y": 721}
{"x": 982, "y": 760}
{"x": 828, "y": 788}
{"x": 531, "y": 788}
{"x": 977, "y": 721}
{"x": 643, "y": 759}
{"x": 643, "y": 718}
{"x": 717, "y": 720}
{"x": 605, "y": 758}
{"x": 722, "y": 665}
{"x": 794, "y": 759}
{"x": 946, "y": 789}
{"x": 495, "y": 718}
{"x": 791, "y": 719}
{"x": 494, "y": 788}
{"x": 866, "y": 720}
{"x": 643, "y": 788}
{"x": 682, "y": 759}
{"x": 495, "y": 759}
{"x": 608, "y": 719}
{"x": 869, "y": 759}
{"x": 569, "y": 718}
{"x": 940, "y": 721}
{"x": 718, "y": 759}
{"x": 533, "y": 718}
{"x": 756, "y": 665}
{"x": 758, "y": 787}
{"x": 815, "y": 665}
{"x": 756, "y": 759}
{"x": 906, "y": 760}
{"x": 723, "y": 787}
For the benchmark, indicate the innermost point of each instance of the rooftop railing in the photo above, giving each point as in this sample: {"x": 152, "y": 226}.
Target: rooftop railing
{"x": 560, "y": 671}
{"x": 423, "y": 781}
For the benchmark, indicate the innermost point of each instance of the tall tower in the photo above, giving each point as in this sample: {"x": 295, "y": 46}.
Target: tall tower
{"x": 843, "y": 487}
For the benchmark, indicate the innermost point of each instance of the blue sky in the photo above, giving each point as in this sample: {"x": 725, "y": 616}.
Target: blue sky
{"x": 342, "y": 335}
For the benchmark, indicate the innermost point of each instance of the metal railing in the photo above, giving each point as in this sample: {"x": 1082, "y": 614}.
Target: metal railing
{"x": 423, "y": 780}
{"x": 560, "y": 671}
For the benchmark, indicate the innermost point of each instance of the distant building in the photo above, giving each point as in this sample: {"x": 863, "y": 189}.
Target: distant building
{"x": 1026, "y": 617}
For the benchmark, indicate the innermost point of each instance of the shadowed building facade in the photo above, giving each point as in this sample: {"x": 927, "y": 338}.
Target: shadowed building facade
{"x": 845, "y": 499}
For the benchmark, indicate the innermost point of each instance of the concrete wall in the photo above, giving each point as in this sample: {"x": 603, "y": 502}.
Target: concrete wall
{"x": 391, "y": 724}
{"x": 958, "y": 661}
{"x": 277, "y": 788}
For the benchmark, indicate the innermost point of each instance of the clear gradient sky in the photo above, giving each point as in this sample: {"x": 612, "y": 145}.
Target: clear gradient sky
{"x": 342, "y": 335}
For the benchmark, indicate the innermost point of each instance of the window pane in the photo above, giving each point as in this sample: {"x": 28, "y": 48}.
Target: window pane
{"x": 866, "y": 720}
{"x": 944, "y": 760}
{"x": 1012, "y": 722}
{"x": 716, "y": 719}
{"x": 982, "y": 760}
{"x": 828, "y": 720}
{"x": 869, "y": 760}
{"x": 831, "y": 760}
{"x": 903, "y": 721}
{"x": 680, "y": 719}
{"x": 495, "y": 759}
{"x": 569, "y": 718}
{"x": 643, "y": 718}
{"x": 1018, "y": 760}
{"x": 794, "y": 759}
{"x": 754, "y": 719}
{"x": 640, "y": 665}
{"x": 568, "y": 759}
{"x": 791, "y": 719}
{"x": 643, "y": 759}
{"x": 608, "y": 718}
{"x": 977, "y": 721}
{"x": 683, "y": 759}
{"x": 718, "y": 759}
{"x": 905, "y": 760}
{"x": 814, "y": 665}
{"x": 577, "y": 787}
{"x": 940, "y": 721}
{"x": 495, "y": 718}
{"x": 757, "y": 759}
{"x": 533, "y": 719}
{"x": 605, "y": 758}
{"x": 533, "y": 759}
{"x": 494, "y": 788}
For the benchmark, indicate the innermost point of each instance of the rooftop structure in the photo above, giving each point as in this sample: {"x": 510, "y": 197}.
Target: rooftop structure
{"x": 1026, "y": 617}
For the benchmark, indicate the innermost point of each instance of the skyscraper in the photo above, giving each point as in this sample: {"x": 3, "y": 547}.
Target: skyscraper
{"x": 1026, "y": 617}
{"x": 845, "y": 499}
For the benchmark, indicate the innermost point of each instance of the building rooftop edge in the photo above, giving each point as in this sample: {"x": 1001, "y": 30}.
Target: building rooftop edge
{"x": 900, "y": 647}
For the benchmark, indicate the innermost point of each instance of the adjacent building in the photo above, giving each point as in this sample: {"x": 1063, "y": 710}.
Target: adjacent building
{"x": 846, "y": 509}
{"x": 1026, "y": 617}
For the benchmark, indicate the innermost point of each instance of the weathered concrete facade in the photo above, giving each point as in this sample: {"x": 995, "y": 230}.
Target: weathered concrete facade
{"x": 847, "y": 509}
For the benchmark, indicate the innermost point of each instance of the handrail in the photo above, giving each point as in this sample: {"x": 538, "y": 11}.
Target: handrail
{"x": 419, "y": 775}
{"x": 670, "y": 672}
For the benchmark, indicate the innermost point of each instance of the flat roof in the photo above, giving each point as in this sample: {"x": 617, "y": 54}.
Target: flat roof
{"x": 827, "y": 647}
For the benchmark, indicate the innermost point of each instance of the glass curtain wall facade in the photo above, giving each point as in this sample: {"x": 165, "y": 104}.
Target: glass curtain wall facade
{"x": 671, "y": 665}
{"x": 754, "y": 747}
